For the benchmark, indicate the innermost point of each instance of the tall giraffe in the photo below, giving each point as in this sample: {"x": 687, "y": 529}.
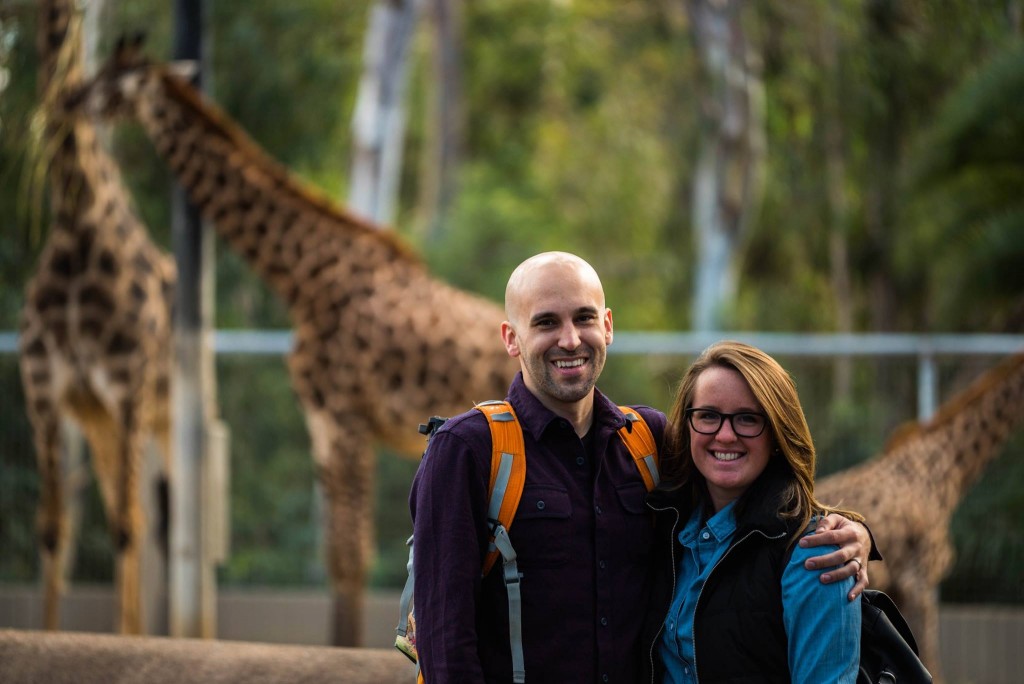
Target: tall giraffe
{"x": 910, "y": 491}
{"x": 379, "y": 344}
{"x": 95, "y": 328}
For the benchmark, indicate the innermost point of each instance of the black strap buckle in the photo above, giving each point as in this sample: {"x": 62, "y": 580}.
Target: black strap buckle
{"x": 431, "y": 426}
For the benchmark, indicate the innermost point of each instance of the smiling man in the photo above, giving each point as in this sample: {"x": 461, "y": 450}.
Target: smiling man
{"x": 582, "y": 532}
{"x": 560, "y": 329}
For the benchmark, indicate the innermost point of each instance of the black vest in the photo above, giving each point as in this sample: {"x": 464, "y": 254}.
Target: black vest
{"x": 739, "y": 635}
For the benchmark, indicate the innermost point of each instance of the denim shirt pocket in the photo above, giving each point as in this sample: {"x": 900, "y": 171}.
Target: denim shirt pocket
{"x": 541, "y": 527}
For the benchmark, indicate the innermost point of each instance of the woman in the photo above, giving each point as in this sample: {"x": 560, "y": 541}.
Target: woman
{"x": 737, "y": 493}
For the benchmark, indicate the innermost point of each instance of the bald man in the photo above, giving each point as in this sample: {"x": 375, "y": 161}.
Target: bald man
{"x": 582, "y": 532}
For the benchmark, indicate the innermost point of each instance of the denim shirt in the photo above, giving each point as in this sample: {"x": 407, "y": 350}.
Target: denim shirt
{"x": 822, "y": 626}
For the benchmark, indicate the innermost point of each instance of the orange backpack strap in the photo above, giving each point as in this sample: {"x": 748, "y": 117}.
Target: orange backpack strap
{"x": 508, "y": 476}
{"x": 639, "y": 440}
{"x": 508, "y": 470}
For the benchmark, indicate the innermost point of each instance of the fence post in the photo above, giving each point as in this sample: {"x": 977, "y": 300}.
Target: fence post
{"x": 927, "y": 386}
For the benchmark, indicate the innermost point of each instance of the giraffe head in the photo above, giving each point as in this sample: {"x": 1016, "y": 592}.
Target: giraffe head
{"x": 115, "y": 89}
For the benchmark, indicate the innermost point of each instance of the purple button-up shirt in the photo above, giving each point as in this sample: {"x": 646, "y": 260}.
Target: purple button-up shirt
{"x": 582, "y": 534}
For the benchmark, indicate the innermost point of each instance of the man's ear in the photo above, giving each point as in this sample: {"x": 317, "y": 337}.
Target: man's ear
{"x": 608, "y": 326}
{"x": 511, "y": 340}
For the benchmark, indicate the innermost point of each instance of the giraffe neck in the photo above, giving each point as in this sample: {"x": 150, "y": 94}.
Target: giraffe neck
{"x": 70, "y": 144}
{"x": 948, "y": 455}
{"x": 79, "y": 166}
{"x": 289, "y": 235}
{"x": 59, "y": 45}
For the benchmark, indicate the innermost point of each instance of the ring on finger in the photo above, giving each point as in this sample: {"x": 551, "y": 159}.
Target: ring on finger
{"x": 860, "y": 565}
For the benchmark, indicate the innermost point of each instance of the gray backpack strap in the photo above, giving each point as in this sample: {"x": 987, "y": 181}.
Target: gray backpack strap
{"x": 404, "y": 640}
{"x": 498, "y": 494}
{"x": 510, "y": 573}
{"x": 406, "y": 600}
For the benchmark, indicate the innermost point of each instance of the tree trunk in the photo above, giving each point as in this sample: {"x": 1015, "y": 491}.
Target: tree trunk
{"x": 727, "y": 184}
{"x": 838, "y": 200}
{"x": 378, "y": 125}
{"x": 884, "y": 23}
{"x": 444, "y": 145}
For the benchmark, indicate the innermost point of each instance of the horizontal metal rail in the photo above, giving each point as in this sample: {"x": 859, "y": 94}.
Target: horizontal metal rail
{"x": 270, "y": 342}
{"x": 925, "y": 347}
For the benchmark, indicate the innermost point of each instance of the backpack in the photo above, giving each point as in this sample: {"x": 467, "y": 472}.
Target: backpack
{"x": 888, "y": 650}
{"x": 508, "y": 475}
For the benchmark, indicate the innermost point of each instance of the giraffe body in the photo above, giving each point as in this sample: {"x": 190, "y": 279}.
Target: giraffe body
{"x": 909, "y": 492}
{"x": 95, "y": 330}
{"x": 380, "y": 345}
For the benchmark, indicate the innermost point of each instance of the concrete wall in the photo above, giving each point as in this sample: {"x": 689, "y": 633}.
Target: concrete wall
{"x": 272, "y": 616}
{"x": 35, "y": 657}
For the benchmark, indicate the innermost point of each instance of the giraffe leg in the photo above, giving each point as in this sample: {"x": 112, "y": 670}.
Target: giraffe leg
{"x": 130, "y": 528}
{"x": 929, "y": 642}
{"x": 918, "y": 600}
{"x": 129, "y": 596}
{"x": 52, "y": 524}
{"x": 116, "y": 445}
{"x": 163, "y": 490}
{"x": 347, "y": 477}
{"x": 347, "y": 615}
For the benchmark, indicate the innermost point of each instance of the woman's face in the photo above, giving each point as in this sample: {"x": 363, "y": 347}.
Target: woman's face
{"x": 729, "y": 463}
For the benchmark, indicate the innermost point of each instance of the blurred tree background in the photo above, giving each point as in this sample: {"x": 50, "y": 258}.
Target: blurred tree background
{"x": 891, "y": 202}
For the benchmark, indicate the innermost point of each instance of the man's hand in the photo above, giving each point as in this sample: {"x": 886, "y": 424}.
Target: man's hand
{"x": 852, "y": 556}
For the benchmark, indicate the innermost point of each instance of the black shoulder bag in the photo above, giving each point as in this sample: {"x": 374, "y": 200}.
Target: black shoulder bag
{"x": 888, "y": 650}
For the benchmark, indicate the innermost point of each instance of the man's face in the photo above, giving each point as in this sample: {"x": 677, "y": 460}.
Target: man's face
{"x": 560, "y": 329}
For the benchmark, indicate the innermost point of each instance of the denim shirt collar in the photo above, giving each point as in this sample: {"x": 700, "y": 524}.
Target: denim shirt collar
{"x": 721, "y": 525}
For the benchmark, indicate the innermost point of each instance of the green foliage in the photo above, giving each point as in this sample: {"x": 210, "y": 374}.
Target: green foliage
{"x": 275, "y": 524}
{"x": 309, "y": 84}
{"x": 21, "y": 223}
{"x": 986, "y": 534}
{"x": 969, "y": 210}
{"x": 19, "y": 481}
{"x": 393, "y": 524}
{"x": 568, "y": 154}
{"x": 496, "y": 223}
{"x": 504, "y": 66}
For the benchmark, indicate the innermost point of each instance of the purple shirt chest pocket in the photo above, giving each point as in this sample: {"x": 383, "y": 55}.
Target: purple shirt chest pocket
{"x": 541, "y": 531}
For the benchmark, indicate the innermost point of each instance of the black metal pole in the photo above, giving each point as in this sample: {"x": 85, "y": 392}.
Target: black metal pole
{"x": 191, "y": 610}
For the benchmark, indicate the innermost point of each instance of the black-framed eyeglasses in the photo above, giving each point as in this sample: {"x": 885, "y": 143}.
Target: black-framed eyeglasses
{"x": 709, "y": 421}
